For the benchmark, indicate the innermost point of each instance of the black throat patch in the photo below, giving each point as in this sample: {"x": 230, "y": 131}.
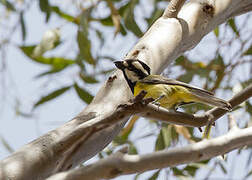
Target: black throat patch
{"x": 130, "y": 83}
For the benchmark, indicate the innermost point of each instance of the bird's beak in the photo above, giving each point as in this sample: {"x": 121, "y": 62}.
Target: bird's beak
{"x": 119, "y": 65}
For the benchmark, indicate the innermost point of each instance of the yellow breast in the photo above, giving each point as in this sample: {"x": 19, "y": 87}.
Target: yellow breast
{"x": 173, "y": 95}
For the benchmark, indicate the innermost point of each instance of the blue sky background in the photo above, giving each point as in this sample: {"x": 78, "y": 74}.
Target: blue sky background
{"x": 19, "y": 82}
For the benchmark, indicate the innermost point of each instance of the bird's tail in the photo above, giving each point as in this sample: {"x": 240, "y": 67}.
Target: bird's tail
{"x": 208, "y": 98}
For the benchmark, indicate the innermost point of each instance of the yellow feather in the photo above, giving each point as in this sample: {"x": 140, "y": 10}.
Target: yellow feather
{"x": 173, "y": 94}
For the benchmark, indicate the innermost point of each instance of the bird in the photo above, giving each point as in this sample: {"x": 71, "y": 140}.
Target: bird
{"x": 168, "y": 93}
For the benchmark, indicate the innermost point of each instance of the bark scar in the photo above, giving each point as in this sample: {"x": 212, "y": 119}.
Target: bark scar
{"x": 209, "y": 9}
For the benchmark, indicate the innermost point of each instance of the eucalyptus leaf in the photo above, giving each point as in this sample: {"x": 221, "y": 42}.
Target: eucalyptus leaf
{"x": 8, "y": 5}
{"x": 154, "y": 176}
{"x": 85, "y": 47}
{"x": 51, "y": 96}
{"x": 83, "y": 94}
{"x": 45, "y": 7}
{"x": 64, "y": 15}
{"x": 231, "y": 23}
{"x": 22, "y": 22}
{"x": 249, "y": 51}
{"x": 88, "y": 79}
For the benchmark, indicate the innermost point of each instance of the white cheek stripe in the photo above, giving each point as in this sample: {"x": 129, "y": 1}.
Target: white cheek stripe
{"x": 131, "y": 75}
{"x": 139, "y": 66}
{"x": 125, "y": 64}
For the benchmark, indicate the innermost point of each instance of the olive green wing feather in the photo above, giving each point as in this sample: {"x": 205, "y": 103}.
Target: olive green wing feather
{"x": 202, "y": 95}
{"x": 156, "y": 79}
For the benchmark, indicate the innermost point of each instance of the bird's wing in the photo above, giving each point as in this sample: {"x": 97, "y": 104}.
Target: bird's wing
{"x": 157, "y": 79}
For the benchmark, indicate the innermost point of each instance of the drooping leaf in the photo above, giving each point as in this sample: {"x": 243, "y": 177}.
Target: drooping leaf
{"x": 83, "y": 94}
{"x": 22, "y": 22}
{"x": 51, "y": 96}
{"x": 57, "y": 63}
{"x": 249, "y": 107}
{"x": 88, "y": 79}
{"x": 231, "y": 23}
{"x": 129, "y": 19}
{"x": 137, "y": 176}
{"x": 132, "y": 149}
{"x": 248, "y": 175}
{"x": 224, "y": 170}
{"x": 164, "y": 138}
{"x": 64, "y": 15}
{"x": 85, "y": 47}
{"x": 154, "y": 176}
{"x": 106, "y": 21}
{"x": 177, "y": 172}
{"x": 216, "y": 31}
{"x": 101, "y": 37}
{"x": 115, "y": 16}
{"x": 45, "y": 7}
{"x": 124, "y": 134}
{"x": 8, "y": 5}
{"x": 249, "y": 51}
{"x": 187, "y": 77}
{"x": 6, "y": 144}
{"x": 191, "y": 169}
{"x": 182, "y": 130}
{"x": 51, "y": 71}
{"x": 156, "y": 13}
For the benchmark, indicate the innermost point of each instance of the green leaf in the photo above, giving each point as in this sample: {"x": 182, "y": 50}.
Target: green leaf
{"x": 85, "y": 47}
{"x": 249, "y": 107}
{"x": 137, "y": 176}
{"x": 52, "y": 71}
{"x": 8, "y": 5}
{"x": 106, "y": 21}
{"x": 177, "y": 172}
{"x": 191, "y": 169}
{"x": 164, "y": 138}
{"x": 132, "y": 149}
{"x": 216, "y": 31}
{"x": 6, "y": 144}
{"x": 22, "y": 22}
{"x": 51, "y": 96}
{"x": 45, "y": 7}
{"x": 83, "y": 94}
{"x": 129, "y": 18}
{"x": 187, "y": 77}
{"x": 154, "y": 176}
{"x": 57, "y": 63}
{"x": 222, "y": 168}
{"x": 156, "y": 13}
{"x": 63, "y": 15}
{"x": 249, "y": 174}
{"x": 249, "y": 51}
{"x": 28, "y": 50}
{"x": 88, "y": 79}
{"x": 231, "y": 23}
{"x": 100, "y": 36}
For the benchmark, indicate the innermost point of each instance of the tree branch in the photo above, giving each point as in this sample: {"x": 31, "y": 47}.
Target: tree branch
{"x": 173, "y": 8}
{"x": 185, "y": 119}
{"x": 71, "y": 144}
{"x": 121, "y": 164}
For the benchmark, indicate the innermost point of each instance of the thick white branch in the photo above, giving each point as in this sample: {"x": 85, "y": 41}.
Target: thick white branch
{"x": 72, "y": 143}
{"x": 121, "y": 164}
{"x": 173, "y": 8}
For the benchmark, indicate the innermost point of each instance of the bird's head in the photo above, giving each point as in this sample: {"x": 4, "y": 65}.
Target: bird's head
{"x": 133, "y": 70}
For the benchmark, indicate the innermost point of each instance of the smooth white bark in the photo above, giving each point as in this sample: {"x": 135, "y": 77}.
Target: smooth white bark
{"x": 69, "y": 145}
{"x": 121, "y": 164}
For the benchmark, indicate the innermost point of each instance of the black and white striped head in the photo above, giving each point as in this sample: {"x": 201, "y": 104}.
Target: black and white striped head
{"x": 133, "y": 71}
